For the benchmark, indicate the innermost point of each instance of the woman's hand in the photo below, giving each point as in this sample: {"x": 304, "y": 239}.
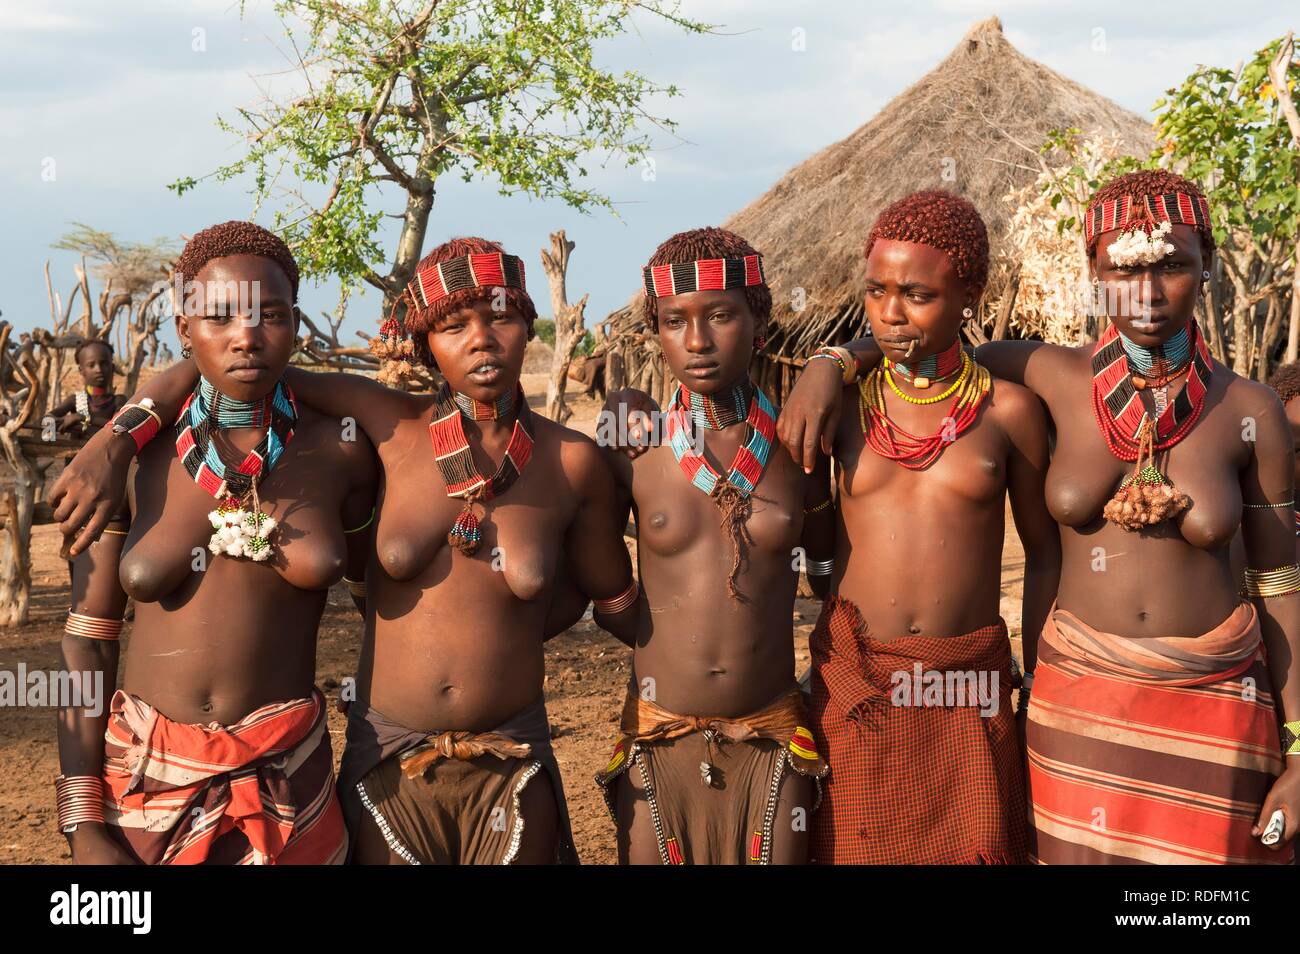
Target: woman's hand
{"x": 91, "y": 845}
{"x": 626, "y": 422}
{"x": 811, "y": 414}
{"x": 1284, "y": 795}
{"x": 91, "y": 488}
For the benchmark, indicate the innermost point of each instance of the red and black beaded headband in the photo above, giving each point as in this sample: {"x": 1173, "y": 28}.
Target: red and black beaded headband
{"x": 1180, "y": 208}
{"x": 477, "y": 270}
{"x": 705, "y": 274}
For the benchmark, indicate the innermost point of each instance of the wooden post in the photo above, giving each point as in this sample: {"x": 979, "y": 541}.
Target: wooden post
{"x": 568, "y": 325}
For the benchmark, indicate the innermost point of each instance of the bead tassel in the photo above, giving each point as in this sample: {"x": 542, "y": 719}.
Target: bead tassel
{"x": 466, "y": 534}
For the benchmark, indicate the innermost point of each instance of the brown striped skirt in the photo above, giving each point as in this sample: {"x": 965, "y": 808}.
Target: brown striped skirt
{"x": 1153, "y": 750}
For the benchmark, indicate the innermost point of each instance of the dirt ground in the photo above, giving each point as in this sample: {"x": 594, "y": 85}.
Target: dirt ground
{"x": 586, "y": 672}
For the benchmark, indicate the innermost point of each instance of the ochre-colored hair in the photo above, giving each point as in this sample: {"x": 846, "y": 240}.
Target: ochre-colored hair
{"x": 236, "y": 238}
{"x": 941, "y": 220}
{"x": 709, "y": 243}
{"x": 1286, "y": 381}
{"x": 420, "y": 320}
{"x": 1147, "y": 182}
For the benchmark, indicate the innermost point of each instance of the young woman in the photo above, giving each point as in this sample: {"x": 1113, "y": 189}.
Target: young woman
{"x": 94, "y": 405}
{"x": 1153, "y": 729}
{"x": 448, "y": 756}
{"x": 912, "y": 669}
{"x": 715, "y": 763}
{"x": 216, "y": 748}
{"x": 84, "y": 414}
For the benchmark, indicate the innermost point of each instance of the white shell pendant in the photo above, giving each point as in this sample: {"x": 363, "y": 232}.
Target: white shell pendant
{"x": 241, "y": 533}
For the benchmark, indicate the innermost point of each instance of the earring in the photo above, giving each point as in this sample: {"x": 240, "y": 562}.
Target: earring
{"x": 966, "y": 313}
{"x": 1205, "y": 275}
{"x": 187, "y": 352}
{"x": 1095, "y": 281}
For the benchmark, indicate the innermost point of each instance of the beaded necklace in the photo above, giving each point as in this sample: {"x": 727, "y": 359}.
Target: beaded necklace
{"x": 716, "y": 411}
{"x": 929, "y": 370}
{"x": 503, "y": 408}
{"x": 751, "y": 457}
{"x": 91, "y": 399}
{"x": 732, "y": 493}
{"x": 943, "y": 396}
{"x": 238, "y": 531}
{"x": 1117, "y": 406}
{"x": 455, "y": 462}
{"x": 1165, "y": 360}
{"x": 1156, "y": 368}
{"x": 893, "y": 442}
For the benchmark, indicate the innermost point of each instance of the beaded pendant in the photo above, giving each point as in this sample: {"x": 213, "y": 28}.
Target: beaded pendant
{"x": 237, "y": 530}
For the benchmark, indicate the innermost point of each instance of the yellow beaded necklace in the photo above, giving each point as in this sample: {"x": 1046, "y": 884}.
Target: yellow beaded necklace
{"x": 952, "y": 388}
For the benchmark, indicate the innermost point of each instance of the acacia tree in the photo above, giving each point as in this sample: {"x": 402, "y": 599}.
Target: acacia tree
{"x": 401, "y": 93}
{"x": 130, "y": 304}
{"x": 1226, "y": 130}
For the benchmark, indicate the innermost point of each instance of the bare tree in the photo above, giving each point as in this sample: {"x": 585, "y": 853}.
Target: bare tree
{"x": 569, "y": 329}
{"x": 29, "y": 442}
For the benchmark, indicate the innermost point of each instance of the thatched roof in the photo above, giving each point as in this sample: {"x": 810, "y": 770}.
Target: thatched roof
{"x": 969, "y": 125}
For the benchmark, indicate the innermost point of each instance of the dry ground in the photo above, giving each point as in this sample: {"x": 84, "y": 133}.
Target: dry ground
{"x": 586, "y": 672}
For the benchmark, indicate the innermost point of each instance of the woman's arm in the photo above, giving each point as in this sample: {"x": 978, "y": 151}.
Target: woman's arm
{"x": 1269, "y": 534}
{"x": 374, "y": 407}
{"x": 1021, "y": 362}
{"x": 91, "y": 487}
{"x": 97, "y": 594}
{"x": 359, "y": 516}
{"x": 1026, "y": 425}
{"x": 568, "y": 603}
{"x": 599, "y": 560}
{"x": 818, "y": 538}
{"x": 811, "y": 413}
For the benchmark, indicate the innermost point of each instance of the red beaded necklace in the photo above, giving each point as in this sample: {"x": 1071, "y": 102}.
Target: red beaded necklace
{"x": 1118, "y": 408}
{"x": 455, "y": 462}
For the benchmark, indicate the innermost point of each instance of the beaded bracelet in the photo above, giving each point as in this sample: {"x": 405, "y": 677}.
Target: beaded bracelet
{"x": 78, "y": 799}
{"x": 819, "y": 567}
{"x": 1291, "y": 738}
{"x": 356, "y": 587}
{"x": 819, "y": 508}
{"x": 93, "y": 627}
{"x": 1282, "y": 581}
{"x": 841, "y": 356}
{"x": 1270, "y": 506}
{"x": 140, "y": 421}
{"x": 616, "y": 604}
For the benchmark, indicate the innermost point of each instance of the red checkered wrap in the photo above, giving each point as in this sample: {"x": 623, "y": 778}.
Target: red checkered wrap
{"x": 913, "y": 784}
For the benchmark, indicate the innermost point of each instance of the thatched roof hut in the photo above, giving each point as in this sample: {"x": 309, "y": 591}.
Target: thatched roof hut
{"x": 970, "y": 125}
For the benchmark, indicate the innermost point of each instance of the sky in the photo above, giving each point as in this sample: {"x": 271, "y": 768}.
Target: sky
{"x": 102, "y": 105}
